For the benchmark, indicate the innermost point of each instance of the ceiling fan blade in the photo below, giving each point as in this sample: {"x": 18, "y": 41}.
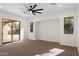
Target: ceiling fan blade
{"x": 38, "y": 9}
{"x": 26, "y": 12}
{"x": 33, "y": 13}
{"x": 26, "y": 7}
{"x": 34, "y": 6}
{"x": 38, "y": 12}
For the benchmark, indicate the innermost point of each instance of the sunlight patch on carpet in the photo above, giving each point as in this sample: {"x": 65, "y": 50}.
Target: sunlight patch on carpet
{"x": 52, "y": 52}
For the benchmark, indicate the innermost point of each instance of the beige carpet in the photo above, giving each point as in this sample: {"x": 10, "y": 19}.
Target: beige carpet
{"x": 52, "y": 52}
{"x": 32, "y": 48}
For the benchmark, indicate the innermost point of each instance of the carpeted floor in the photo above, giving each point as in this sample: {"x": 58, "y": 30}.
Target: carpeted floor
{"x": 31, "y": 48}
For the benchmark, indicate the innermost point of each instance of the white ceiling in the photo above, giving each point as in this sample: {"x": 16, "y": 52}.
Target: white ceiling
{"x": 48, "y": 8}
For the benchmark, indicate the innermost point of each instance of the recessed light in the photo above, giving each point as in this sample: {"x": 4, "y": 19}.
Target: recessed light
{"x": 1, "y": 6}
{"x": 60, "y": 5}
{"x": 52, "y": 3}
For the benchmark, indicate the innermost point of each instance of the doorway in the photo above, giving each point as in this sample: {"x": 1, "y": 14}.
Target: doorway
{"x": 11, "y": 30}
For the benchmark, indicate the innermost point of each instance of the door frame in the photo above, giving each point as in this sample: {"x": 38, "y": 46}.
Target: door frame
{"x": 12, "y": 34}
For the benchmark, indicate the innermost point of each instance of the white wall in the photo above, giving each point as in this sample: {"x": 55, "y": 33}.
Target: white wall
{"x": 49, "y": 30}
{"x": 65, "y": 39}
{"x": 69, "y": 39}
{"x": 78, "y": 29}
{"x": 37, "y": 30}
{"x": 8, "y": 15}
{"x": 31, "y": 35}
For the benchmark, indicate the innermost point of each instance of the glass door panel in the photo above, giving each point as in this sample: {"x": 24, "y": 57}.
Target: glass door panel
{"x": 7, "y": 31}
{"x": 16, "y": 31}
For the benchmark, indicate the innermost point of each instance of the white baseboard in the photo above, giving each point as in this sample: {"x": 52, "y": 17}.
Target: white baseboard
{"x": 68, "y": 44}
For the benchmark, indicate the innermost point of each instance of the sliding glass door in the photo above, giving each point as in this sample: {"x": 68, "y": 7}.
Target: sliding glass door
{"x": 11, "y": 30}
{"x": 16, "y": 31}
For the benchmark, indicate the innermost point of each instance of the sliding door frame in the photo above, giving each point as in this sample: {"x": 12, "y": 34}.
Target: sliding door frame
{"x": 19, "y": 31}
{"x": 12, "y": 32}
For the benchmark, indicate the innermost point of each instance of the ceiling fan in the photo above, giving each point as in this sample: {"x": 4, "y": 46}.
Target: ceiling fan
{"x": 31, "y": 9}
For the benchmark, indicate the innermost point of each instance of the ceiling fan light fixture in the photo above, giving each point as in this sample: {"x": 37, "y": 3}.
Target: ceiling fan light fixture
{"x": 32, "y": 9}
